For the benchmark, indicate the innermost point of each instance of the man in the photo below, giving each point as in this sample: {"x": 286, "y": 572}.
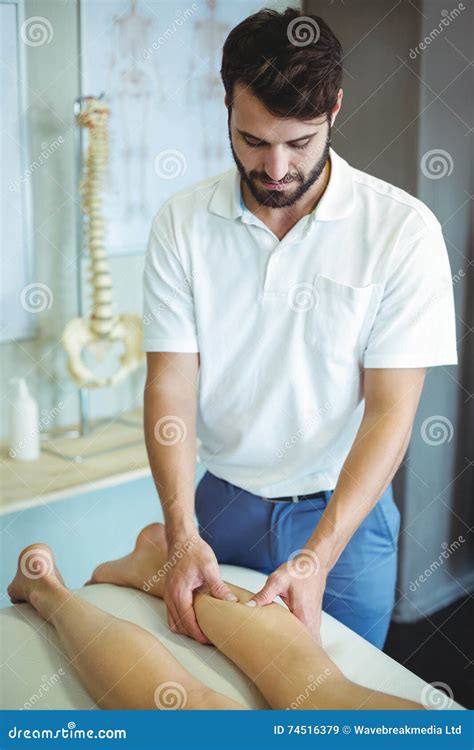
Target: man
{"x": 292, "y": 305}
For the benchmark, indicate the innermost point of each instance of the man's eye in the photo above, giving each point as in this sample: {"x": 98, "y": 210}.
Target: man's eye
{"x": 300, "y": 148}
{"x": 256, "y": 144}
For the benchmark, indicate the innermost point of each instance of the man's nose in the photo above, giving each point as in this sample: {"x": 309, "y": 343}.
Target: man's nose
{"x": 276, "y": 165}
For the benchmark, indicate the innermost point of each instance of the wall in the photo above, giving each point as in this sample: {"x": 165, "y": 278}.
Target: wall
{"x": 390, "y": 118}
{"x": 83, "y": 530}
{"x": 52, "y": 85}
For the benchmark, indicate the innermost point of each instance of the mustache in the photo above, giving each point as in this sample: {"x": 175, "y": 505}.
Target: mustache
{"x": 263, "y": 177}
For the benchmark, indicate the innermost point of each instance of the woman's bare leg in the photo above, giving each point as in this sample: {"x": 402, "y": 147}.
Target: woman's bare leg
{"x": 121, "y": 665}
{"x": 274, "y": 649}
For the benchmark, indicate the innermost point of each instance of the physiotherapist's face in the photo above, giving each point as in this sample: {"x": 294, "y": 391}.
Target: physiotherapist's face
{"x": 279, "y": 159}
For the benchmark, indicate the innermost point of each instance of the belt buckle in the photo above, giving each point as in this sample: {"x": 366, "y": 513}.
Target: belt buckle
{"x": 295, "y": 499}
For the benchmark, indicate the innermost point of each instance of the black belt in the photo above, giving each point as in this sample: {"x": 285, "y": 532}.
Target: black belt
{"x": 295, "y": 498}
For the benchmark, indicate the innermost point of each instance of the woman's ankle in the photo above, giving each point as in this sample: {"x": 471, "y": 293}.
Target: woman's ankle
{"x": 48, "y": 596}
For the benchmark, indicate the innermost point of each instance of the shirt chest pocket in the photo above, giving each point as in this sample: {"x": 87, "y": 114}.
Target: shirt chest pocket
{"x": 339, "y": 322}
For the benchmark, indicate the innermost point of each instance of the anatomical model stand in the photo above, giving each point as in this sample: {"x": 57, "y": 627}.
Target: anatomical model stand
{"x": 101, "y": 330}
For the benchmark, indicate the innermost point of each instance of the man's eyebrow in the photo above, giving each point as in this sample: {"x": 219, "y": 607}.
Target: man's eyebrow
{"x": 260, "y": 140}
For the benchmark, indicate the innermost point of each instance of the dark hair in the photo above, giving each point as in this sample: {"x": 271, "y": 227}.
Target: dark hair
{"x": 290, "y": 61}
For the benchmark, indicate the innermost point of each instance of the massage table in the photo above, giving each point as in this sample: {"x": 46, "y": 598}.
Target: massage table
{"x": 36, "y": 675}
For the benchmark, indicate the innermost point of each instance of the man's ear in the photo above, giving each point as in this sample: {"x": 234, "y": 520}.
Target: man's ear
{"x": 226, "y": 100}
{"x": 337, "y": 106}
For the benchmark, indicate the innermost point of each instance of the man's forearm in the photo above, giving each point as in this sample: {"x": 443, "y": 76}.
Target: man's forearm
{"x": 170, "y": 437}
{"x": 375, "y": 456}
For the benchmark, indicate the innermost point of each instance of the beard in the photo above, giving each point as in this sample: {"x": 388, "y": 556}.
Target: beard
{"x": 281, "y": 198}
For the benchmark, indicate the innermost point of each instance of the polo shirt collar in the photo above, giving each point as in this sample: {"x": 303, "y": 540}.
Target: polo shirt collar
{"x": 336, "y": 202}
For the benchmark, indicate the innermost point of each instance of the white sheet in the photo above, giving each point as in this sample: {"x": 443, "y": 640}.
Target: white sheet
{"x": 35, "y": 674}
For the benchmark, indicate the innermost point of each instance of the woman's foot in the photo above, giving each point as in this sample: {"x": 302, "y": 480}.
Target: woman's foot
{"x": 36, "y": 577}
{"x": 144, "y": 568}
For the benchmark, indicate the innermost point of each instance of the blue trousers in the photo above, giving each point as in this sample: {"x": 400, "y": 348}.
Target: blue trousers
{"x": 243, "y": 529}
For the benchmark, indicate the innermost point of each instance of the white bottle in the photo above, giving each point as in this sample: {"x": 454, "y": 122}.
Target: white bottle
{"x": 24, "y": 425}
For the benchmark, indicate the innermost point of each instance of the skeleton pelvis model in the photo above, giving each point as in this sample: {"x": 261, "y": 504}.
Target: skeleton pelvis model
{"x": 99, "y": 332}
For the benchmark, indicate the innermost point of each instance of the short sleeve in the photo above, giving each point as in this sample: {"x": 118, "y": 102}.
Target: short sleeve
{"x": 168, "y": 304}
{"x": 415, "y": 324}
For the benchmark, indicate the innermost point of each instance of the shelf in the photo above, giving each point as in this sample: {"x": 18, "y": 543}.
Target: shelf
{"x": 113, "y": 452}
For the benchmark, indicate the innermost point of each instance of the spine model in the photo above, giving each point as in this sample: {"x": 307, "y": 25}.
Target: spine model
{"x": 95, "y": 119}
{"x": 101, "y": 330}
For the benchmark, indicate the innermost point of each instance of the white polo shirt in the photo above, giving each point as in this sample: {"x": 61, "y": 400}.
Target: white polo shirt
{"x": 286, "y": 328}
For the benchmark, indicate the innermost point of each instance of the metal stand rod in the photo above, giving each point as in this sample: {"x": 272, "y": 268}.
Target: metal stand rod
{"x": 84, "y": 396}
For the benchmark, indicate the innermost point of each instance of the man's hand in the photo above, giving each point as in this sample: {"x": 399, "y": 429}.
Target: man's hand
{"x": 300, "y": 583}
{"x": 194, "y": 566}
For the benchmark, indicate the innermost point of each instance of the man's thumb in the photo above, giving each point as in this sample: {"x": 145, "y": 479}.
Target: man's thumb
{"x": 219, "y": 590}
{"x": 262, "y": 597}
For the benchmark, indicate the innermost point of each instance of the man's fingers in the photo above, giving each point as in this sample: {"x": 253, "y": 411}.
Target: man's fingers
{"x": 171, "y": 624}
{"x": 309, "y": 617}
{"x": 187, "y": 618}
{"x": 219, "y": 590}
{"x": 172, "y": 615}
